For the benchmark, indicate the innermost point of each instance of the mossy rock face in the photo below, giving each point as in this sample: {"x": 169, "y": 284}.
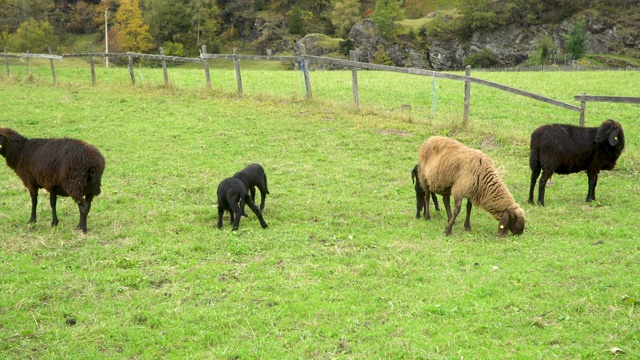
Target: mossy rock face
{"x": 320, "y": 45}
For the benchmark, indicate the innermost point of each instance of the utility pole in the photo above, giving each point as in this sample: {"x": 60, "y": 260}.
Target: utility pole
{"x": 106, "y": 36}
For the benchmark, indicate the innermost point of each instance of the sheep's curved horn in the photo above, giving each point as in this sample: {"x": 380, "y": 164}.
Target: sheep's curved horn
{"x": 613, "y": 137}
{"x": 602, "y": 133}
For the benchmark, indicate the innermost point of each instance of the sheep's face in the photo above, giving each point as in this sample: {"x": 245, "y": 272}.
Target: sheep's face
{"x": 512, "y": 220}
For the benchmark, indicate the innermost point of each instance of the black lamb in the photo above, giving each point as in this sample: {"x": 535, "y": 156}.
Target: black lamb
{"x": 420, "y": 200}
{"x": 253, "y": 176}
{"x": 64, "y": 167}
{"x": 232, "y": 191}
{"x": 566, "y": 149}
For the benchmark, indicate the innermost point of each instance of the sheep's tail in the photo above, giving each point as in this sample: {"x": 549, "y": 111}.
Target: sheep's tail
{"x": 96, "y": 168}
{"x": 266, "y": 187}
{"x": 414, "y": 174}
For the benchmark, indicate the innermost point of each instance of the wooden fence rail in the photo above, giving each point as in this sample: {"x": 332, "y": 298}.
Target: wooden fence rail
{"x": 302, "y": 61}
{"x": 614, "y": 99}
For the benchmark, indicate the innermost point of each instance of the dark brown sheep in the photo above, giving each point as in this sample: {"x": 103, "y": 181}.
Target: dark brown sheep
{"x": 64, "y": 167}
{"x": 567, "y": 149}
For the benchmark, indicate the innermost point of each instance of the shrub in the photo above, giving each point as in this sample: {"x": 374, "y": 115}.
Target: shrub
{"x": 482, "y": 59}
{"x": 381, "y": 57}
{"x": 576, "y": 41}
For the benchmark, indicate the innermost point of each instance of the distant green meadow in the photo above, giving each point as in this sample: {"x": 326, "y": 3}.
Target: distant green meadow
{"x": 344, "y": 269}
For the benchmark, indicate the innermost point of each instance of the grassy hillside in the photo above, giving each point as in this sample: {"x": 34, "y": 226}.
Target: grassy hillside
{"x": 344, "y": 269}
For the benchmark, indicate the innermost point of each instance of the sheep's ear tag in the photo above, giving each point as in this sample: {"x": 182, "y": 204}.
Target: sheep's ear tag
{"x": 615, "y": 138}
{"x": 501, "y": 226}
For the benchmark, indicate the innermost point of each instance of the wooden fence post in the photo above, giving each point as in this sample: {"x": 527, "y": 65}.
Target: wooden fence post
{"x": 164, "y": 68}
{"x": 236, "y": 64}
{"x": 93, "y": 66}
{"x": 206, "y": 66}
{"x": 6, "y": 56}
{"x": 53, "y": 69}
{"x": 583, "y": 108}
{"x": 354, "y": 80}
{"x": 131, "y": 73}
{"x": 467, "y": 96}
{"x": 27, "y": 62}
{"x": 305, "y": 70}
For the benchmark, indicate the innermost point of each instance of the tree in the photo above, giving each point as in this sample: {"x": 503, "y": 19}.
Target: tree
{"x": 14, "y": 12}
{"x": 296, "y": 24}
{"x": 131, "y": 28}
{"x": 385, "y": 15}
{"x": 344, "y": 15}
{"x": 33, "y": 35}
{"x": 168, "y": 19}
{"x": 204, "y": 21}
{"x": 575, "y": 43}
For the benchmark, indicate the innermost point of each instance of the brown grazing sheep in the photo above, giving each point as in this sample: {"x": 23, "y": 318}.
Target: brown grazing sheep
{"x": 449, "y": 168}
{"x": 64, "y": 167}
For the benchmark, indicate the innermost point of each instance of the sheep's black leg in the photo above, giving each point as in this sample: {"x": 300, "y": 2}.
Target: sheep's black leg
{"x": 542, "y": 186}
{"x": 263, "y": 196}
{"x": 593, "y": 181}
{"x": 446, "y": 199}
{"x": 252, "y": 192}
{"x": 425, "y": 201}
{"x": 84, "y": 207}
{"x": 235, "y": 211}
{"x": 467, "y": 221}
{"x": 256, "y": 211}
{"x": 456, "y": 211}
{"x": 220, "y": 213}
{"x": 435, "y": 201}
{"x": 34, "y": 204}
{"x": 52, "y": 200}
{"x": 535, "y": 172}
{"x": 419, "y": 204}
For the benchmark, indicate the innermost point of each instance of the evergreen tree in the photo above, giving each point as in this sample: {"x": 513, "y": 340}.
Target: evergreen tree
{"x": 296, "y": 25}
{"x": 204, "y": 21}
{"x": 132, "y": 30}
{"x": 575, "y": 42}
{"x": 344, "y": 15}
{"x": 385, "y": 15}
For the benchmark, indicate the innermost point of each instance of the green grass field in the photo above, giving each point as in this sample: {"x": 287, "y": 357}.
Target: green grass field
{"x": 344, "y": 269}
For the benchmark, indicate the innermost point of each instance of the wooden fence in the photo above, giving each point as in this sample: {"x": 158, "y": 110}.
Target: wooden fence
{"x": 303, "y": 62}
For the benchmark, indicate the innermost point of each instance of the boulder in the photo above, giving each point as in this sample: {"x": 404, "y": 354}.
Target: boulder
{"x": 367, "y": 42}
